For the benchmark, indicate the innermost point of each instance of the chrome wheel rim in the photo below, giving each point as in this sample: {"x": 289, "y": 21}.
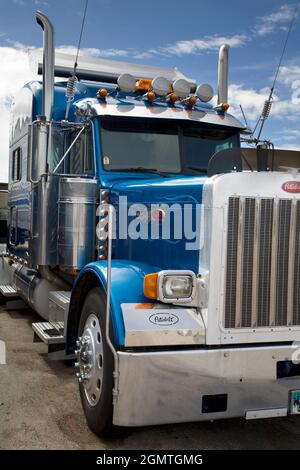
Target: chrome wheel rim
{"x": 90, "y": 359}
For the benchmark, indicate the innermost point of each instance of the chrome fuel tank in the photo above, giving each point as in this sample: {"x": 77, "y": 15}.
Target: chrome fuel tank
{"x": 76, "y": 222}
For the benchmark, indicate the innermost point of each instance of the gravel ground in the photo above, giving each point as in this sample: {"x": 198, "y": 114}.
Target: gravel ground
{"x": 40, "y": 408}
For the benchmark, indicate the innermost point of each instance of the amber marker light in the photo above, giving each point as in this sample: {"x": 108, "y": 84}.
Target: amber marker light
{"x": 150, "y": 285}
{"x": 172, "y": 98}
{"x": 222, "y": 108}
{"x": 102, "y": 94}
{"x": 150, "y": 96}
{"x": 104, "y": 212}
{"x": 143, "y": 85}
{"x": 190, "y": 101}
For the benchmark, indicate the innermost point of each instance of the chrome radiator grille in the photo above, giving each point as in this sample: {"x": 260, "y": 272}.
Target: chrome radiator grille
{"x": 262, "y": 287}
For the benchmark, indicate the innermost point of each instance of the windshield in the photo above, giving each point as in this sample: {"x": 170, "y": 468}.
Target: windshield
{"x": 161, "y": 146}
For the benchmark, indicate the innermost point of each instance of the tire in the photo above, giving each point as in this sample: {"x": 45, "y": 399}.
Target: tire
{"x": 99, "y": 416}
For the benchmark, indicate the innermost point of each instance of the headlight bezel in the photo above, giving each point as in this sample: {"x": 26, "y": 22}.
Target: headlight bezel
{"x": 162, "y": 275}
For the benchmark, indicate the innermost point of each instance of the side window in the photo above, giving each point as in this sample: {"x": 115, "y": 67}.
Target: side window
{"x": 16, "y": 164}
{"x": 81, "y": 159}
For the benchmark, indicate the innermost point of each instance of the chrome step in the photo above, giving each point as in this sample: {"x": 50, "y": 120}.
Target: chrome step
{"x": 8, "y": 291}
{"x": 49, "y": 333}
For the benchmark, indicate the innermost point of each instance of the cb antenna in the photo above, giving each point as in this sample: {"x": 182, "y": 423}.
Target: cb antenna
{"x": 70, "y": 93}
{"x": 268, "y": 103}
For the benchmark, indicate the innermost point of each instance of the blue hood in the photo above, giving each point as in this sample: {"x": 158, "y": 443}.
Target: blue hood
{"x": 169, "y": 253}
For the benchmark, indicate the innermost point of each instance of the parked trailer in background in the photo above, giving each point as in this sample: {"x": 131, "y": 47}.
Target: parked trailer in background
{"x": 195, "y": 319}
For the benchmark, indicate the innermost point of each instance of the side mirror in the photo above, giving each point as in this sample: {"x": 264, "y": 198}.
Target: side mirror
{"x": 225, "y": 161}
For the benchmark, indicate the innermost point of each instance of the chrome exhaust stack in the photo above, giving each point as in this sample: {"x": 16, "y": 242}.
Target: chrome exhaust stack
{"x": 48, "y": 64}
{"x": 223, "y": 74}
{"x": 45, "y": 187}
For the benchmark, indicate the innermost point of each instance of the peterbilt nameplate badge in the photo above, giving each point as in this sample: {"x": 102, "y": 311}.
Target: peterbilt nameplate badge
{"x": 291, "y": 186}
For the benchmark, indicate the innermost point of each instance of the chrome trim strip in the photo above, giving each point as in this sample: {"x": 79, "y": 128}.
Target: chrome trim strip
{"x": 255, "y": 262}
{"x": 239, "y": 270}
{"x": 116, "y": 373}
{"x": 291, "y": 270}
{"x": 231, "y": 254}
{"x": 274, "y": 262}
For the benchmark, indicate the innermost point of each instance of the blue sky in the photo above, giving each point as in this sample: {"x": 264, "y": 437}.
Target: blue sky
{"x": 168, "y": 33}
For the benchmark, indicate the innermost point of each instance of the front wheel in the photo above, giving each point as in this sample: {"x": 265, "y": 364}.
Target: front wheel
{"x": 95, "y": 365}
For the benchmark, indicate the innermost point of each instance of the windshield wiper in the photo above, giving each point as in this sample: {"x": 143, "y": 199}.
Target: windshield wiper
{"x": 195, "y": 168}
{"x": 141, "y": 169}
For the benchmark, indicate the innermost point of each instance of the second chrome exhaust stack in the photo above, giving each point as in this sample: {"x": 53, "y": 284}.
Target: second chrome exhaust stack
{"x": 223, "y": 74}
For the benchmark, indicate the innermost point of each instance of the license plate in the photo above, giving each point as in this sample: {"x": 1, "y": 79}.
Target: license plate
{"x": 295, "y": 402}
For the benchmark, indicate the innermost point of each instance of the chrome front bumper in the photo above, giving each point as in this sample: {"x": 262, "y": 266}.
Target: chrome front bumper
{"x": 168, "y": 386}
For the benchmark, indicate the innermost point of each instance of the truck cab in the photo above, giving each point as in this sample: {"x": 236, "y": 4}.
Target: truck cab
{"x": 155, "y": 251}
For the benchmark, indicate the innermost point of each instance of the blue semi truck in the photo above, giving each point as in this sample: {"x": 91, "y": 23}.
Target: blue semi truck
{"x": 159, "y": 254}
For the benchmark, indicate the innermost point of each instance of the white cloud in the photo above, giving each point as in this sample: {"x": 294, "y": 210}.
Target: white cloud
{"x": 16, "y": 71}
{"x": 278, "y": 19}
{"x": 179, "y": 48}
{"x": 289, "y": 74}
{"x": 4, "y": 143}
{"x": 288, "y": 147}
{"x": 19, "y": 45}
{"x": 142, "y": 55}
{"x": 94, "y": 52}
{"x": 106, "y": 53}
{"x": 13, "y": 76}
{"x": 290, "y": 134}
{"x": 41, "y": 2}
{"x": 88, "y": 51}
{"x": 251, "y": 100}
{"x": 206, "y": 44}
{"x": 36, "y": 2}
{"x": 286, "y": 110}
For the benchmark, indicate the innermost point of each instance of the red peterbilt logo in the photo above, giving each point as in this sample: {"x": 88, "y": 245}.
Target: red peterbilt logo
{"x": 291, "y": 187}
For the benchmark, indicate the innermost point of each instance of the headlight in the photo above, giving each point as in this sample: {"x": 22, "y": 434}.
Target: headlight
{"x": 174, "y": 287}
